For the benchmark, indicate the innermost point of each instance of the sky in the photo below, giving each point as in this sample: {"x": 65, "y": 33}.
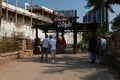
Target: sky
{"x": 78, "y": 5}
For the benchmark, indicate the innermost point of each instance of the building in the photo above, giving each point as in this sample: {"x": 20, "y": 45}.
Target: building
{"x": 17, "y": 22}
{"x": 96, "y": 16}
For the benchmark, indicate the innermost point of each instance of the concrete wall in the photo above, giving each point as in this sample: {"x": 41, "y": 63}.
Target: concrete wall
{"x": 10, "y": 29}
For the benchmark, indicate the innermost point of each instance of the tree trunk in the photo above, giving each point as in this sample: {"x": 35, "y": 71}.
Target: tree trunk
{"x": 106, "y": 21}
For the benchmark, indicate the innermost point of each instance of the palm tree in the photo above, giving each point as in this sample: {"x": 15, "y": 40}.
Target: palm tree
{"x": 97, "y": 4}
{"x": 116, "y": 23}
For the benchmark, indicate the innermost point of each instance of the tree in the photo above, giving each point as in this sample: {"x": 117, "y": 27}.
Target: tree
{"x": 97, "y": 4}
{"x": 116, "y": 23}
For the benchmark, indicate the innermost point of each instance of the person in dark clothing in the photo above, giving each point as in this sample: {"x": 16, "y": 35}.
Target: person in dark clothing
{"x": 92, "y": 48}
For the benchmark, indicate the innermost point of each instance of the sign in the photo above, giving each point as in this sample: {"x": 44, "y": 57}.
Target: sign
{"x": 68, "y": 19}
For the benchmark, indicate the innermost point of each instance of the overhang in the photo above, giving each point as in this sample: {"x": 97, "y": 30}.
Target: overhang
{"x": 81, "y": 27}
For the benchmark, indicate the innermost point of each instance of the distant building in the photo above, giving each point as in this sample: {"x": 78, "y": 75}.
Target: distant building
{"x": 70, "y": 15}
{"x": 96, "y": 16}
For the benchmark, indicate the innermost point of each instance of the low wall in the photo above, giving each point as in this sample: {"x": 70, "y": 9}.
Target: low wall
{"x": 5, "y": 57}
{"x": 9, "y": 52}
{"x": 113, "y": 52}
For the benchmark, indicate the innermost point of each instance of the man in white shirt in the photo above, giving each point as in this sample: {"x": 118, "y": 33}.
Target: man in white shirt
{"x": 45, "y": 48}
{"x": 53, "y": 48}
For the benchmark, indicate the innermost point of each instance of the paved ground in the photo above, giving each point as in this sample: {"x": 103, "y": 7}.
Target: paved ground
{"x": 67, "y": 67}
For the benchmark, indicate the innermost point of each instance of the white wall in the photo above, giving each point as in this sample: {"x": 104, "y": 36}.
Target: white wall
{"x": 8, "y": 28}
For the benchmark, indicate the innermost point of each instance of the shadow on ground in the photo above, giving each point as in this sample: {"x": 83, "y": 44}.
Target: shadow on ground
{"x": 76, "y": 63}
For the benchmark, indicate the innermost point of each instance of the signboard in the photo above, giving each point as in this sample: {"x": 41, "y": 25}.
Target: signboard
{"x": 65, "y": 22}
{"x": 68, "y": 19}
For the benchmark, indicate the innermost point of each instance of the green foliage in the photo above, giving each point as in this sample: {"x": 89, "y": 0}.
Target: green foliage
{"x": 98, "y": 4}
{"x": 116, "y": 23}
{"x": 86, "y": 36}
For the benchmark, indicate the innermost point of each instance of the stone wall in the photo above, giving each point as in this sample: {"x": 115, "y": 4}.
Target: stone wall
{"x": 117, "y": 50}
{"x": 4, "y": 57}
{"x": 22, "y": 53}
{"x": 113, "y": 52}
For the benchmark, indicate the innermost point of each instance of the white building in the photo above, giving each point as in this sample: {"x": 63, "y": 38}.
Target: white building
{"x": 17, "y": 22}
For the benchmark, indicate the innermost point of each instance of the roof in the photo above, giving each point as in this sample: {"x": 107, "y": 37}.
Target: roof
{"x": 87, "y": 26}
{"x": 79, "y": 27}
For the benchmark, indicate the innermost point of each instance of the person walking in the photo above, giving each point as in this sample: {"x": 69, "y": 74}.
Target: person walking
{"x": 53, "y": 48}
{"x": 45, "y": 48}
{"x": 92, "y": 48}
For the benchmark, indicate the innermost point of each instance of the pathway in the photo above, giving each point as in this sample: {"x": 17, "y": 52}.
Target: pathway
{"x": 67, "y": 67}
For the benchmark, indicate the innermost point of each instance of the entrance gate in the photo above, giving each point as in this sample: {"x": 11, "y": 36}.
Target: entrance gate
{"x": 62, "y": 24}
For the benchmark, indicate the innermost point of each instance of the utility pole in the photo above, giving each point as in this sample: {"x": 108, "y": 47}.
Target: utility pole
{"x": 7, "y": 10}
{"x": 16, "y": 3}
{"x": 16, "y": 10}
{"x": 31, "y": 10}
{"x": 0, "y": 12}
{"x": 0, "y": 8}
{"x": 56, "y": 5}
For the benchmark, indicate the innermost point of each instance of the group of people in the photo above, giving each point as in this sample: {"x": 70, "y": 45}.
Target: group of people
{"x": 97, "y": 46}
{"x": 48, "y": 45}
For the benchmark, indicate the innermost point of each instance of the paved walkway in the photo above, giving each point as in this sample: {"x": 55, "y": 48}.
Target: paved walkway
{"x": 67, "y": 67}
